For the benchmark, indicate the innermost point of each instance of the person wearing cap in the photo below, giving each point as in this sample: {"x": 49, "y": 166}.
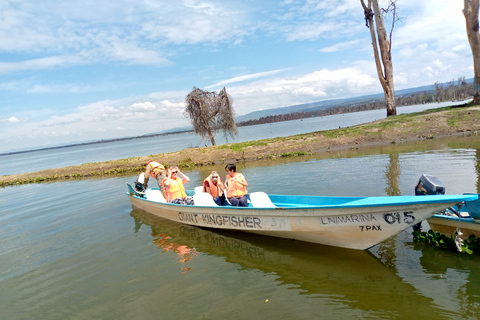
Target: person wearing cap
{"x": 214, "y": 186}
{"x": 157, "y": 171}
{"x": 174, "y": 187}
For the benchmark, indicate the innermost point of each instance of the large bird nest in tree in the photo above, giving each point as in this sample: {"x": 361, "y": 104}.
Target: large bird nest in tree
{"x": 209, "y": 112}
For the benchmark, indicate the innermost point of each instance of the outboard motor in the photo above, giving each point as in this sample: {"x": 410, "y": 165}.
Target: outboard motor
{"x": 140, "y": 183}
{"x": 427, "y": 185}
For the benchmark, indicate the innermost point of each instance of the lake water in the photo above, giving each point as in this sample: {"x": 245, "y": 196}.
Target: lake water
{"x": 77, "y": 250}
{"x": 69, "y": 156}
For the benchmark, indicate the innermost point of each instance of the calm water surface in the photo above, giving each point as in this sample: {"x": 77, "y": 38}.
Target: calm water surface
{"x": 77, "y": 250}
{"x": 63, "y": 157}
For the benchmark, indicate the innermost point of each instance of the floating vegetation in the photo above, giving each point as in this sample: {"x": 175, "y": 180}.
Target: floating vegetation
{"x": 294, "y": 154}
{"x": 187, "y": 163}
{"x": 430, "y": 237}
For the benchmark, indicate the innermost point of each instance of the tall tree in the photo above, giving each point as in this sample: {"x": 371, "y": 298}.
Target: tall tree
{"x": 470, "y": 12}
{"x": 209, "y": 112}
{"x": 383, "y": 50}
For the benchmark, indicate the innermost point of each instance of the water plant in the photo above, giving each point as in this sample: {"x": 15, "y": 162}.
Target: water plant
{"x": 470, "y": 245}
{"x": 187, "y": 163}
{"x": 294, "y": 154}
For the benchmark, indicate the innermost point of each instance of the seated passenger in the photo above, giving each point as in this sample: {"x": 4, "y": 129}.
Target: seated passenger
{"x": 174, "y": 187}
{"x": 214, "y": 186}
{"x": 236, "y": 186}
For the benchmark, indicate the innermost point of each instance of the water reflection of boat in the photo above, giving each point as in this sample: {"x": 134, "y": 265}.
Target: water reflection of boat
{"x": 457, "y": 274}
{"x": 348, "y": 222}
{"x": 350, "y": 278}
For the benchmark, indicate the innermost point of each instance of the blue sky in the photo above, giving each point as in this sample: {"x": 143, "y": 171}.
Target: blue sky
{"x": 89, "y": 70}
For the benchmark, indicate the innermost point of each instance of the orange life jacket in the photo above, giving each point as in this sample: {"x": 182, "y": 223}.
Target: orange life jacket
{"x": 156, "y": 168}
{"x": 214, "y": 189}
{"x": 236, "y": 189}
{"x": 176, "y": 189}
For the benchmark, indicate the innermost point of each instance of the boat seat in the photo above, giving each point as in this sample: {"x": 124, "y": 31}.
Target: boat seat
{"x": 473, "y": 207}
{"x": 204, "y": 199}
{"x": 155, "y": 195}
{"x": 261, "y": 200}
{"x": 198, "y": 189}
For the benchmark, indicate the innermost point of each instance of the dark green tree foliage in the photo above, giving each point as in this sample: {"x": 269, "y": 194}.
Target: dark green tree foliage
{"x": 210, "y": 112}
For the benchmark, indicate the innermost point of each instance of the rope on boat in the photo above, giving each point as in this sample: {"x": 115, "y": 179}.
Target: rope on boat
{"x": 458, "y": 239}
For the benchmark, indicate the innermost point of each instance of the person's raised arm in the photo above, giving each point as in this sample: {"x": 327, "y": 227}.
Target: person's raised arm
{"x": 167, "y": 179}
{"x": 240, "y": 179}
{"x": 146, "y": 176}
{"x": 185, "y": 179}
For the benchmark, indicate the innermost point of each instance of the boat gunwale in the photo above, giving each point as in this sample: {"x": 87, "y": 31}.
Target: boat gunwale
{"x": 455, "y": 218}
{"x": 355, "y": 202}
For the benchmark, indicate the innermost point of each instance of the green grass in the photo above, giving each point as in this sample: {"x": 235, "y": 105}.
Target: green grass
{"x": 238, "y": 147}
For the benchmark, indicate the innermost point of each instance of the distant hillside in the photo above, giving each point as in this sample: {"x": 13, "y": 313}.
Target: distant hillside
{"x": 326, "y": 104}
{"x": 420, "y": 95}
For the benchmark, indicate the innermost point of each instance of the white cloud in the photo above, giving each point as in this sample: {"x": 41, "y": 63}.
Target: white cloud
{"x": 86, "y": 32}
{"x": 244, "y": 78}
{"x": 318, "y": 85}
{"x": 166, "y": 105}
{"x": 11, "y": 120}
{"x": 40, "y": 63}
{"x": 341, "y": 46}
{"x": 144, "y": 106}
{"x": 311, "y": 31}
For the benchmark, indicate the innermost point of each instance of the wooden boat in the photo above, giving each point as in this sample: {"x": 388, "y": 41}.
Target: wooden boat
{"x": 348, "y": 222}
{"x": 466, "y": 220}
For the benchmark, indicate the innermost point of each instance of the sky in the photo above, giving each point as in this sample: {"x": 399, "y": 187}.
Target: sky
{"x": 75, "y": 71}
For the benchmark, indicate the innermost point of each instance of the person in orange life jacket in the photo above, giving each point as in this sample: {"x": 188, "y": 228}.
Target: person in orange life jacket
{"x": 174, "y": 187}
{"x": 157, "y": 171}
{"x": 236, "y": 186}
{"x": 214, "y": 186}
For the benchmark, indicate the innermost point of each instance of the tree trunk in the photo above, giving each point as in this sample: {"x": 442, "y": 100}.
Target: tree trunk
{"x": 210, "y": 135}
{"x": 471, "y": 17}
{"x": 385, "y": 73}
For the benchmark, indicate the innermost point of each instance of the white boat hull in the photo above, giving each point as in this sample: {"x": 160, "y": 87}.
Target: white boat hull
{"x": 354, "y": 225}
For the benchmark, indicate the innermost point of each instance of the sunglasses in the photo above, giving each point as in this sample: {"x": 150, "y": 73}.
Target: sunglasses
{"x": 174, "y": 172}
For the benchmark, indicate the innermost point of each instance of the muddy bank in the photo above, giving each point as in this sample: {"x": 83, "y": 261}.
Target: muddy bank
{"x": 429, "y": 124}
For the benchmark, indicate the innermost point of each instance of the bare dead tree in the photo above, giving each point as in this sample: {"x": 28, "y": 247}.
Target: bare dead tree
{"x": 382, "y": 49}
{"x": 209, "y": 112}
{"x": 470, "y": 11}
{"x": 462, "y": 83}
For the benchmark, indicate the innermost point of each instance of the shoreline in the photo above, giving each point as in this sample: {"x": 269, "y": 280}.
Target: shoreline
{"x": 425, "y": 125}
